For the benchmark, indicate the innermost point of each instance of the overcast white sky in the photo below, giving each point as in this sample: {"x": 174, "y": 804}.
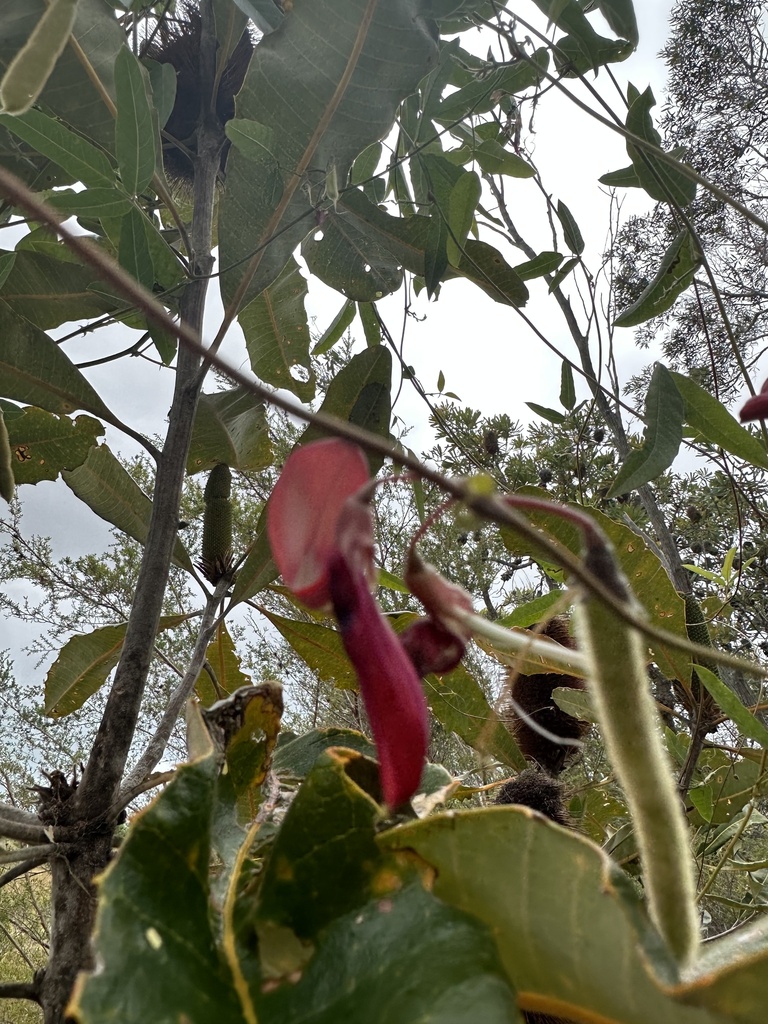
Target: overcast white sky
{"x": 488, "y": 356}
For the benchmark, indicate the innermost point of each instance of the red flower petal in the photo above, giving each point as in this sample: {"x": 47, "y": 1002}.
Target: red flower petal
{"x": 756, "y": 407}
{"x": 442, "y": 599}
{"x": 432, "y": 648}
{"x": 304, "y": 510}
{"x": 390, "y": 687}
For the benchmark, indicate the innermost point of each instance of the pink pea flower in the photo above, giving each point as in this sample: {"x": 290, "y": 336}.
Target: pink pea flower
{"x": 304, "y": 513}
{"x": 321, "y": 533}
{"x": 756, "y": 407}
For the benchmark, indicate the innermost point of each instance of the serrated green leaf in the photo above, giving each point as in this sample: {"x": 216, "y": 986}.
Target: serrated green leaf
{"x": 230, "y": 427}
{"x": 83, "y": 664}
{"x": 64, "y": 147}
{"x": 277, "y": 334}
{"x": 108, "y": 489}
{"x": 43, "y": 444}
{"x": 567, "y": 387}
{"x": 134, "y": 131}
{"x": 674, "y": 275}
{"x": 664, "y": 411}
{"x": 704, "y": 413}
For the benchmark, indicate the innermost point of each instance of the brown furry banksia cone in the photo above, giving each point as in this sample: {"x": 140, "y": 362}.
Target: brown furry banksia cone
{"x": 539, "y": 791}
{"x": 532, "y": 696}
{"x": 177, "y": 42}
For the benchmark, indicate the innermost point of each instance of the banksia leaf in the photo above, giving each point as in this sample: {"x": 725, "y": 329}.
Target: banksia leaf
{"x": 216, "y": 560}
{"x": 7, "y": 482}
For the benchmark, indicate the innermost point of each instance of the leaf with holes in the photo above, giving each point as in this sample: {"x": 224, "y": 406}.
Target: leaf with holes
{"x": 230, "y": 427}
{"x": 43, "y": 444}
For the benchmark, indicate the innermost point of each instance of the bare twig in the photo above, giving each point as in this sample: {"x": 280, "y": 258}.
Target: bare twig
{"x": 22, "y": 832}
{"x": 45, "y": 850}
{"x": 179, "y": 697}
{"x": 21, "y": 869}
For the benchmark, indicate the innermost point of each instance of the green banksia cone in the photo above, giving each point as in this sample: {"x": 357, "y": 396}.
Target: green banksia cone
{"x": 695, "y": 623}
{"x": 7, "y": 482}
{"x": 217, "y": 525}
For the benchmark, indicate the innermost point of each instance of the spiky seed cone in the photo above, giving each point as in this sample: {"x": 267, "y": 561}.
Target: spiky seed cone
{"x": 177, "y": 42}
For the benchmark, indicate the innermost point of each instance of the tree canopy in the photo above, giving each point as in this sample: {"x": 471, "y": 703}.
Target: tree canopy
{"x": 336, "y": 729}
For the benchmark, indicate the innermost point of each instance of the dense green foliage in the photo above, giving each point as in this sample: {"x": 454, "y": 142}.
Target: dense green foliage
{"x": 260, "y": 876}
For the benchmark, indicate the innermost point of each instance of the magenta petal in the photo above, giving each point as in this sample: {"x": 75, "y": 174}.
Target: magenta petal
{"x": 756, "y": 407}
{"x": 304, "y": 509}
{"x": 432, "y": 648}
{"x": 390, "y": 687}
